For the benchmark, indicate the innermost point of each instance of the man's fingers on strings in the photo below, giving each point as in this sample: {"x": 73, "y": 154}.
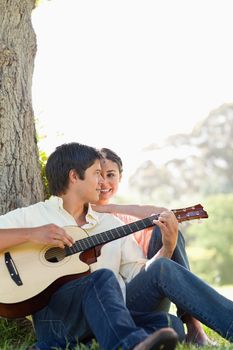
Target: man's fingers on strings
{"x": 58, "y": 243}
{"x": 63, "y": 237}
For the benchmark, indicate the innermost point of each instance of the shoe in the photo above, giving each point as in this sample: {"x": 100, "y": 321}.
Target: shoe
{"x": 163, "y": 339}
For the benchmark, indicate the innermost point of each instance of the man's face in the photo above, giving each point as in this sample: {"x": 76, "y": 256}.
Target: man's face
{"x": 89, "y": 189}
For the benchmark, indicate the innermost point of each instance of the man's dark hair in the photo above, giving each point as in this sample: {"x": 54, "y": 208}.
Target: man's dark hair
{"x": 69, "y": 156}
{"x": 111, "y": 155}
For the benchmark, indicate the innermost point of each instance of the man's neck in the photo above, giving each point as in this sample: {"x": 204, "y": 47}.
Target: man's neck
{"x": 76, "y": 208}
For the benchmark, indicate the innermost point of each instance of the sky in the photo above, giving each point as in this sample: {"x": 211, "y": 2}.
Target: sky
{"x": 126, "y": 74}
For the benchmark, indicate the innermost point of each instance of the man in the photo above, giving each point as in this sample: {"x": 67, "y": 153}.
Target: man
{"x": 92, "y": 304}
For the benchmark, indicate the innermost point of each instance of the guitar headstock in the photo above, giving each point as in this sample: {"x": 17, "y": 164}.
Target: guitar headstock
{"x": 190, "y": 213}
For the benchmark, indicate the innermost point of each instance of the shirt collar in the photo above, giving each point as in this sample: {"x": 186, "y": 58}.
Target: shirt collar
{"x": 56, "y": 202}
{"x": 91, "y": 216}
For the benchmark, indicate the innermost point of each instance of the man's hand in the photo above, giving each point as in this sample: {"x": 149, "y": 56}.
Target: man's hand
{"x": 169, "y": 229}
{"x": 50, "y": 234}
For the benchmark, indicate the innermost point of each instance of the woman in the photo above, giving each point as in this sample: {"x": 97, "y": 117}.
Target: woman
{"x": 150, "y": 240}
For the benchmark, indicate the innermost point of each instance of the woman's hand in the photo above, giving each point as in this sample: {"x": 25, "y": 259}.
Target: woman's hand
{"x": 107, "y": 208}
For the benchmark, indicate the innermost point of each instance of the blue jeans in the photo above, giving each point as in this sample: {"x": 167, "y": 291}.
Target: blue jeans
{"x": 93, "y": 305}
{"x": 179, "y": 256}
{"x": 166, "y": 278}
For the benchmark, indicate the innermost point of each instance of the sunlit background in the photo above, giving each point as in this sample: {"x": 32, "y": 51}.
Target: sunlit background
{"x": 125, "y": 74}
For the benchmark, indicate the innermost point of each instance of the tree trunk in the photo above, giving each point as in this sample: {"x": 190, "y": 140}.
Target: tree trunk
{"x": 20, "y": 183}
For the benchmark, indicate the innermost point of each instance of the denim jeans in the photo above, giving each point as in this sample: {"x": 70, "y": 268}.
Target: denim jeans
{"x": 179, "y": 256}
{"x": 93, "y": 304}
{"x": 166, "y": 278}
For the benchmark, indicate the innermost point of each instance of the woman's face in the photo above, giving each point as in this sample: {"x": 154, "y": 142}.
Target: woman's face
{"x": 111, "y": 176}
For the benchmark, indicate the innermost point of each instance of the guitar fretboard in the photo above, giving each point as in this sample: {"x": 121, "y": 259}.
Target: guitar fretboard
{"x": 110, "y": 235}
{"x": 185, "y": 214}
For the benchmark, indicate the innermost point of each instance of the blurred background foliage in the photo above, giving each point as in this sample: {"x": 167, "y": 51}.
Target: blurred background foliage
{"x": 199, "y": 170}
{"x": 210, "y": 244}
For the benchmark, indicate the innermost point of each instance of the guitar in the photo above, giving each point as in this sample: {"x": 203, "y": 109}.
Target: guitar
{"x": 21, "y": 294}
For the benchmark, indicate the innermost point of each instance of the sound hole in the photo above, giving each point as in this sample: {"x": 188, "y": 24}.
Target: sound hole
{"x": 55, "y": 254}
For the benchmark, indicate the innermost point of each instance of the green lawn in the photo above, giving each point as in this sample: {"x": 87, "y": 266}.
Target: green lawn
{"x": 17, "y": 335}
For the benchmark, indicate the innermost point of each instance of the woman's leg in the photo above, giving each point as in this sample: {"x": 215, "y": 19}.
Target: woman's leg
{"x": 179, "y": 255}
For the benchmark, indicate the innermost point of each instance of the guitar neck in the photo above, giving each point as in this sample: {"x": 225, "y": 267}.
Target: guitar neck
{"x": 110, "y": 235}
{"x": 190, "y": 213}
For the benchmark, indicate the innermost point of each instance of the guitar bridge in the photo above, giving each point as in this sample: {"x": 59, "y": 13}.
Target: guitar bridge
{"x": 12, "y": 269}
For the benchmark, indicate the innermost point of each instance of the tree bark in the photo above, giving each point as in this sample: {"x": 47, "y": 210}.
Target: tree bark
{"x": 20, "y": 183}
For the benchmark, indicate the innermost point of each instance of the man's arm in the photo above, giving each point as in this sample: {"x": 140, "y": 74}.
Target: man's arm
{"x": 46, "y": 234}
{"x": 169, "y": 229}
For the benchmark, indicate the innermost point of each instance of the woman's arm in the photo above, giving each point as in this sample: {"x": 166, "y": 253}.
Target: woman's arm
{"x": 139, "y": 211}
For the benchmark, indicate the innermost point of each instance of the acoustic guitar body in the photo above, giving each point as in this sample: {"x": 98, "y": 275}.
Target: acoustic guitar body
{"x": 42, "y": 269}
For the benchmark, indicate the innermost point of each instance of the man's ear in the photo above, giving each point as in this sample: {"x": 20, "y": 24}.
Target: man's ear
{"x": 73, "y": 176}
{"x": 120, "y": 177}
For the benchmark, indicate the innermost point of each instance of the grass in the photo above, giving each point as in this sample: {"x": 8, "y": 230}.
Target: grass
{"x": 15, "y": 334}
{"x": 19, "y": 334}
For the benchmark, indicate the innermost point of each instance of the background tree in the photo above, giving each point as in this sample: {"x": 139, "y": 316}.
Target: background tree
{"x": 202, "y": 165}
{"x": 20, "y": 183}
